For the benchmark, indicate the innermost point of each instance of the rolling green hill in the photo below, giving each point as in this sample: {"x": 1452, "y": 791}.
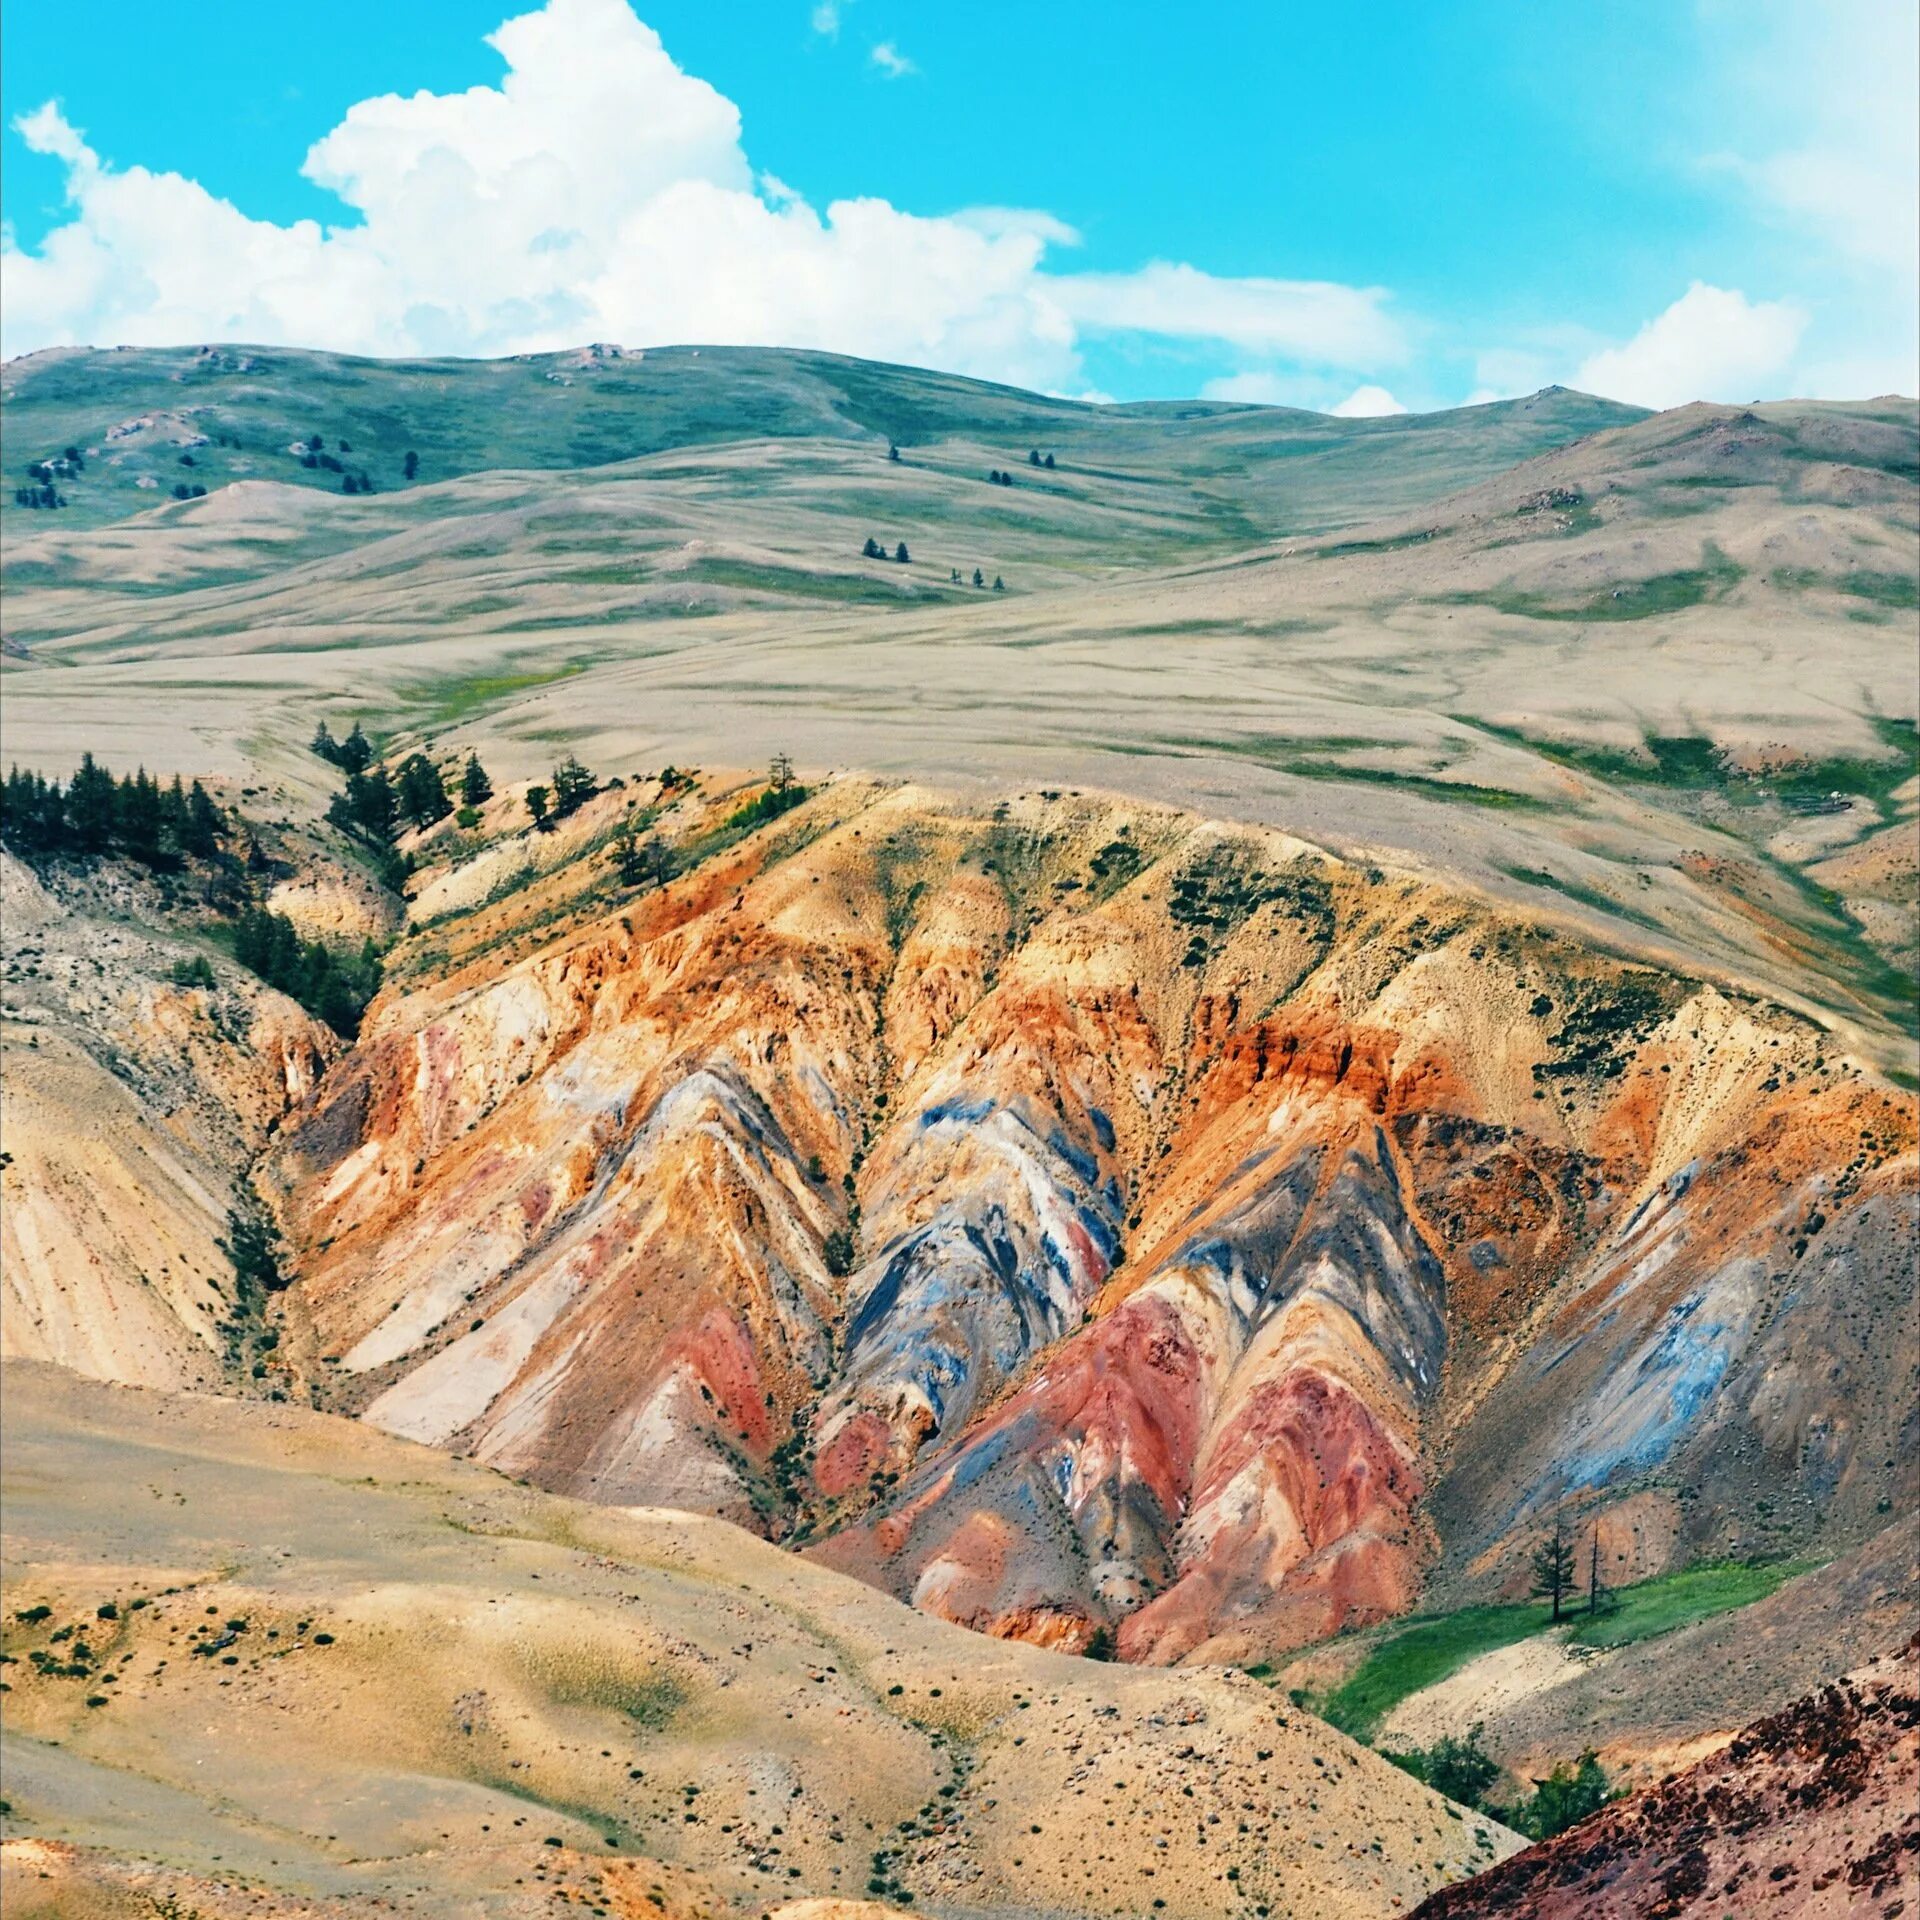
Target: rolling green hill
{"x": 1265, "y": 471}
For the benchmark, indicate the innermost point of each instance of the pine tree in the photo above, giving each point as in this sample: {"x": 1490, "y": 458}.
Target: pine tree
{"x": 1033, "y": 456}
{"x": 1048, "y": 463}
{"x": 624, "y": 852}
{"x": 999, "y": 585}
{"x": 410, "y": 466}
{"x": 421, "y": 797}
{"x": 573, "y": 787}
{"x": 1553, "y": 1568}
{"x": 979, "y": 578}
{"x": 900, "y": 553}
{"x": 537, "y": 805}
{"x": 356, "y": 751}
{"x": 893, "y": 452}
{"x": 324, "y": 744}
{"x": 137, "y": 817}
{"x": 873, "y": 550}
{"x": 475, "y": 788}
{"x": 91, "y": 806}
{"x": 173, "y": 815}
{"x": 367, "y": 807}
{"x": 206, "y": 824}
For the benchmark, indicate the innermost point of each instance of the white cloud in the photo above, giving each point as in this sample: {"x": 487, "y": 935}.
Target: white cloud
{"x": 1368, "y": 403}
{"x": 598, "y": 191}
{"x": 891, "y": 61}
{"x": 1312, "y": 320}
{"x": 825, "y": 19}
{"x": 1838, "y": 82}
{"x": 1711, "y": 344}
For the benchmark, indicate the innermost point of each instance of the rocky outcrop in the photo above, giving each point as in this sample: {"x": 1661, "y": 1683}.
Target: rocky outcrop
{"x": 1813, "y": 1811}
{"x": 133, "y": 1105}
{"x": 1093, "y": 1223}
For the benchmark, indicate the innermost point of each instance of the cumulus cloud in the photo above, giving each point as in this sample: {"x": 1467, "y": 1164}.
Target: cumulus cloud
{"x": 1711, "y": 344}
{"x": 825, "y": 19}
{"x": 1317, "y": 321}
{"x": 891, "y": 61}
{"x": 1839, "y": 80}
{"x": 599, "y": 191}
{"x": 1368, "y": 403}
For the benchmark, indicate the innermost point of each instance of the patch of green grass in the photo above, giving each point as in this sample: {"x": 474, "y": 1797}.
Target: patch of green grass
{"x": 445, "y": 703}
{"x": 798, "y": 583}
{"x": 1691, "y": 762}
{"x": 1885, "y": 589}
{"x": 1312, "y": 759}
{"x": 1577, "y": 890}
{"x": 1661, "y": 593}
{"x": 1467, "y": 791}
{"x": 1862, "y": 583}
{"x": 1679, "y": 1599}
{"x": 1341, "y": 549}
{"x": 1421, "y": 1652}
{"x": 1420, "y": 1655}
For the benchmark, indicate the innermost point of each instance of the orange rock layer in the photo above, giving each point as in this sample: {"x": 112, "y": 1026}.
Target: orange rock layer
{"x": 1095, "y": 1224}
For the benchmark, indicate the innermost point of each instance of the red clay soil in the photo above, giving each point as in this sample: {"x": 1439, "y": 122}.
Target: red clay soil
{"x": 1813, "y": 1811}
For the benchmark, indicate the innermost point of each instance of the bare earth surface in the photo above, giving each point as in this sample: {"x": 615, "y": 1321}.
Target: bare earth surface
{"x": 342, "y": 1670}
{"x": 1808, "y": 1812}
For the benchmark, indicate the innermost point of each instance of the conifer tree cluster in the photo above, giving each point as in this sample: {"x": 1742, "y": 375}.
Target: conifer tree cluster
{"x": 332, "y": 987}
{"x": 94, "y": 814}
{"x": 354, "y": 754}
{"x": 375, "y": 805}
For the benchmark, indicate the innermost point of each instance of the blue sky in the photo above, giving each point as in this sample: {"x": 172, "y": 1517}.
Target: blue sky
{"x": 1408, "y": 204}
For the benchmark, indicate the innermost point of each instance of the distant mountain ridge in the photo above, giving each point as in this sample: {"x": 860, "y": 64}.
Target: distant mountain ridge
{"x": 588, "y": 407}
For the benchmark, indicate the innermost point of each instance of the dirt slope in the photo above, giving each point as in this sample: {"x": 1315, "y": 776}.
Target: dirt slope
{"x": 132, "y": 1104}
{"x": 1813, "y": 1811}
{"x": 286, "y": 1653}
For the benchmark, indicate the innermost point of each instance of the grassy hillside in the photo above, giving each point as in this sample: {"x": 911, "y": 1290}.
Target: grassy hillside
{"x": 1281, "y": 471}
{"x": 1612, "y": 664}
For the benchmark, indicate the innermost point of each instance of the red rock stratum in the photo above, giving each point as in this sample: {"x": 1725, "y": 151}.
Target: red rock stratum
{"x": 1084, "y": 1220}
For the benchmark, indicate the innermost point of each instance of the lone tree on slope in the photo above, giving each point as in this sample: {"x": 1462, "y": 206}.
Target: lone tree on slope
{"x": 356, "y": 751}
{"x": 1553, "y": 1568}
{"x": 901, "y": 554}
{"x": 475, "y": 788}
{"x": 573, "y": 787}
{"x": 537, "y": 805}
